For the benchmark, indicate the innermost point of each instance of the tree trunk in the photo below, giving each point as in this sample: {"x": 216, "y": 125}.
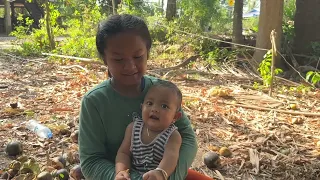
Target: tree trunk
{"x": 114, "y": 7}
{"x": 107, "y": 6}
{"x": 48, "y": 26}
{"x": 161, "y": 5}
{"x": 307, "y": 28}
{"x": 237, "y": 22}
{"x": 271, "y": 14}
{"x": 171, "y": 9}
{"x": 7, "y": 9}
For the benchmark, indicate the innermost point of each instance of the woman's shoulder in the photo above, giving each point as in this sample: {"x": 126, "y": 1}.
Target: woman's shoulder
{"x": 153, "y": 79}
{"x": 99, "y": 89}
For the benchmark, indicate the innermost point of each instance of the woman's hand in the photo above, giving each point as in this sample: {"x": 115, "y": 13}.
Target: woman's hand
{"x": 122, "y": 175}
{"x": 153, "y": 175}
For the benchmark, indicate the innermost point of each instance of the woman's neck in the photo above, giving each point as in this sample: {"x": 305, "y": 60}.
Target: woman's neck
{"x": 126, "y": 90}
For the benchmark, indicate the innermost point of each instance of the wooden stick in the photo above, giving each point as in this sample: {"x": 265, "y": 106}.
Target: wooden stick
{"x": 3, "y": 86}
{"x": 75, "y": 58}
{"x": 184, "y": 63}
{"x": 288, "y": 81}
{"x": 269, "y": 109}
{"x": 274, "y": 54}
{"x": 75, "y": 65}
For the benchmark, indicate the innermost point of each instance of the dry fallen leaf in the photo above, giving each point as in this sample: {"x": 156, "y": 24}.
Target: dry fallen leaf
{"x": 254, "y": 159}
{"x": 213, "y": 148}
{"x": 32, "y": 165}
{"x": 8, "y": 126}
{"x": 296, "y": 120}
{"x": 197, "y": 131}
{"x": 12, "y": 111}
{"x": 60, "y": 109}
{"x": 315, "y": 154}
{"x": 293, "y": 106}
{"x": 285, "y": 151}
{"x": 260, "y": 139}
{"x": 57, "y": 127}
{"x": 218, "y": 92}
{"x": 224, "y": 151}
{"x": 219, "y": 174}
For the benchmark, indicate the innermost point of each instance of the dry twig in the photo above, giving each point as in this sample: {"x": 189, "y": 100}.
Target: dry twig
{"x": 86, "y": 60}
{"x": 269, "y": 109}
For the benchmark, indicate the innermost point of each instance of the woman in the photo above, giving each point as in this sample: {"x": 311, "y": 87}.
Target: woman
{"x": 123, "y": 42}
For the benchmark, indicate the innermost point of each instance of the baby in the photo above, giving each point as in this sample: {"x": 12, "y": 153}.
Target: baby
{"x": 153, "y": 142}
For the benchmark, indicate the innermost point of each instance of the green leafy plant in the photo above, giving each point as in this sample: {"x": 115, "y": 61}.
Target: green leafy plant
{"x": 80, "y": 34}
{"x": 251, "y": 23}
{"x": 288, "y": 31}
{"x": 313, "y": 76}
{"x": 315, "y": 48}
{"x": 289, "y": 10}
{"x": 33, "y": 41}
{"x": 22, "y": 31}
{"x": 157, "y": 27}
{"x": 265, "y": 69}
{"x": 198, "y": 13}
{"x": 288, "y": 21}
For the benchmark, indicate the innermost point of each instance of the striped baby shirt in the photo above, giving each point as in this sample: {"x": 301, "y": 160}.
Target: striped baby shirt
{"x": 146, "y": 157}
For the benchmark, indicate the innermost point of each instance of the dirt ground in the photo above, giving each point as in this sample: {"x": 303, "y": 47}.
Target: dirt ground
{"x": 269, "y": 137}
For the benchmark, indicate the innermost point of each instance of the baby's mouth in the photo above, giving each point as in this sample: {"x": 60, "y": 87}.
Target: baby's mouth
{"x": 154, "y": 117}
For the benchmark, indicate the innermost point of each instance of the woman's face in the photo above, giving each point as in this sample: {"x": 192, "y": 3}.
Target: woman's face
{"x": 126, "y": 56}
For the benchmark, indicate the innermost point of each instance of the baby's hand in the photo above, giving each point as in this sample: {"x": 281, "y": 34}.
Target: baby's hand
{"x": 122, "y": 175}
{"x": 153, "y": 175}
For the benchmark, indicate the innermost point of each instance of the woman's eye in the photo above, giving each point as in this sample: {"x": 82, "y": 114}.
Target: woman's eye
{"x": 118, "y": 60}
{"x": 138, "y": 57}
{"x": 164, "y": 106}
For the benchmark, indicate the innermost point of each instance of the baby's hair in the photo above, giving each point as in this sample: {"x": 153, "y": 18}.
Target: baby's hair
{"x": 121, "y": 23}
{"x": 168, "y": 84}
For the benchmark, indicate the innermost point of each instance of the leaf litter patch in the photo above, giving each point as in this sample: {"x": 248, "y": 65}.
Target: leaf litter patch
{"x": 242, "y": 133}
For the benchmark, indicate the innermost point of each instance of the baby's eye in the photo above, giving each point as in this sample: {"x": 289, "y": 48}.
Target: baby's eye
{"x": 164, "y": 106}
{"x": 149, "y": 103}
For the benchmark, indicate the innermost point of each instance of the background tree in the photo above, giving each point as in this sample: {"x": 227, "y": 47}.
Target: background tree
{"x": 162, "y": 4}
{"x": 237, "y": 22}
{"x": 197, "y": 14}
{"x": 171, "y": 9}
{"x": 48, "y": 26}
{"x": 114, "y": 7}
{"x": 307, "y": 28}
{"x": 271, "y": 14}
{"x": 251, "y": 4}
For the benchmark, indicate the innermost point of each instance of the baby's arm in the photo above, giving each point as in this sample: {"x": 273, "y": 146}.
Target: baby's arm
{"x": 171, "y": 153}
{"x": 123, "y": 158}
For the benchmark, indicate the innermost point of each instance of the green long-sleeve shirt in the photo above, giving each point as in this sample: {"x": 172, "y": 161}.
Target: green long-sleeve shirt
{"x": 104, "y": 116}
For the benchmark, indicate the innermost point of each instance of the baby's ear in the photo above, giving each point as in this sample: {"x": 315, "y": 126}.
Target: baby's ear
{"x": 141, "y": 106}
{"x": 177, "y": 116}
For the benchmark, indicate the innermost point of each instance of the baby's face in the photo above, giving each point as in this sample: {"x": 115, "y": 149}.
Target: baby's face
{"x": 159, "y": 108}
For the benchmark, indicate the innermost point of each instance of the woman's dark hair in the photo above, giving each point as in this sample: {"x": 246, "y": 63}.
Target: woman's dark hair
{"x": 121, "y": 23}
